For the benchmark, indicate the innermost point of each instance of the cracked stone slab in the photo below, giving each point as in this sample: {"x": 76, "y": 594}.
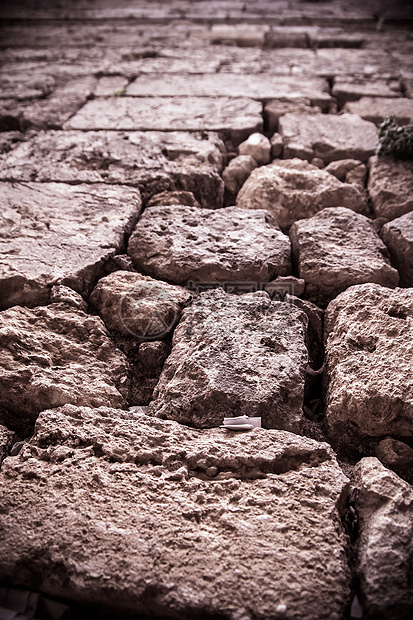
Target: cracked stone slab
{"x": 369, "y": 361}
{"x": 53, "y": 111}
{"x": 390, "y": 186}
{"x": 94, "y": 484}
{"x": 56, "y": 354}
{"x": 235, "y": 355}
{"x": 375, "y": 109}
{"x": 137, "y": 305}
{"x": 179, "y": 243}
{"x": 350, "y": 89}
{"x": 384, "y": 504}
{"x": 293, "y": 189}
{"x": 154, "y": 161}
{"x": 55, "y": 233}
{"x": 337, "y": 248}
{"x": 258, "y": 87}
{"x": 238, "y": 117}
{"x": 327, "y": 136}
{"x": 398, "y": 236}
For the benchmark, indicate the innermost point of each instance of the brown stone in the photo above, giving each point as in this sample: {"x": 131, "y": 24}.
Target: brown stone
{"x": 337, "y": 248}
{"x": 390, "y": 186}
{"x": 178, "y": 243}
{"x": 327, "y": 136}
{"x": 369, "y": 366}
{"x": 376, "y": 109}
{"x": 238, "y": 117}
{"x": 6, "y": 441}
{"x": 398, "y": 236}
{"x": 276, "y": 108}
{"x": 384, "y": 505}
{"x": 177, "y": 521}
{"x": 396, "y": 455}
{"x": 137, "y": 305}
{"x": 350, "y": 89}
{"x": 237, "y": 172}
{"x": 294, "y": 189}
{"x": 55, "y": 233}
{"x": 154, "y": 161}
{"x": 176, "y": 197}
{"x": 233, "y": 356}
{"x": 342, "y": 167}
{"x": 146, "y": 367}
{"x": 57, "y": 354}
{"x": 258, "y": 146}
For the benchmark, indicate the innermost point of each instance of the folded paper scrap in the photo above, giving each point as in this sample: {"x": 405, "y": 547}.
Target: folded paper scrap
{"x": 241, "y": 423}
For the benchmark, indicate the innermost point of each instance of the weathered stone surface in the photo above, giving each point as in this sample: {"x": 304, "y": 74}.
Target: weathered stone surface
{"x": 237, "y": 172}
{"x": 337, "y": 248}
{"x": 390, "y": 186}
{"x": 137, "y": 305}
{"x": 396, "y": 455}
{"x": 177, "y": 244}
{"x": 66, "y": 295}
{"x": 369, "y": 362}
{"x": 56, "y": 354}
{"x": 277, "y": 145}
{"x": 283, "y": 285}
{"x": 55, "y": 233}
{"x": 110, "y": 86}
{"x": 173, "y": 197}
{"x": 384, "y": 504}
{"x": 233, "y": 356}
{"x": 327, "y": 136}
{"x": 261, "y": 87}
{"x": 294, "y": 189}
{"x": 154, "y": 161}
{"x": 350, "y": 89}
{"x": 315, "y": 328}
{"x": 258, "y": 146}
{"x": 342, "y": 167}
{"x": 53, "y": 111}
{"x": 146, "y": 367}
{"x": 6, "y": 441}
{"x": 239, "y": 117}
{"x": 93, "y": 485}
{"x": 375, "y": 109}
{"x": 275, "y": 109}
{"x": 398, "y": 236}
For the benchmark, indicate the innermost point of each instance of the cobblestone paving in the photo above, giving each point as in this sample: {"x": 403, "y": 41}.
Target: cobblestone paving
{"x": 194, "y": 225}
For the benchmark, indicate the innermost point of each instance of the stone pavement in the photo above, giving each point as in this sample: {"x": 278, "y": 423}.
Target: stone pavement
{"x": 194, "y": 225}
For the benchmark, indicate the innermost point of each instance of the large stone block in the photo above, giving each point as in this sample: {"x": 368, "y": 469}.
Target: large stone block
{"x": 56, "y": 233}
{"x": 375, "y": 109}
{"x": 390, "y": 186}
{"x": 369, "y": 366}
{"x": 293, "y": 189}
{"x": 398, "y": 236}
{"x": 178, "y": 243}
{"x": 384, "y": 505}
{"x": 237, "y": 117}
{"x": 337, "y": 248}
{"x": 57, "y": 354}
{"x": 328, "y": 136}
{"x": 233, "y": 356}
{"x": 135, "y": 514}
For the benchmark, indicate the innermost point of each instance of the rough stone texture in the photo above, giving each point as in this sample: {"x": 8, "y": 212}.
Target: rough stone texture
{"x": 175, "y": 520}
{"x": 337, "y": 248}
{"x": 390, "y": 186}
{"x": 276, "y": 108}
{"x": 54, "y": 355}
{"x": 146, "y": 367}
{"x": 278, "y": 288}
{"x": 239, "y": 117}
{"x": 136, "y": 305}
{"x": 177, "y": 197}
{"x": 154, "y": 161}
{"x": 398, "y": 236}
{"x": 258, "y": 87}
{"x": 68, "y": 296}
{"x": 397, "y": 456}
{"x": 350, "y": 89}
{"x": 327, "y": 136}
{"x": 277, "y": 145}
{"x": 233, "y": 356}
{"x": 55, "y": 233}
{"x": 179, "y": 243}
{"x": 384, "y": 504}
{"x": 237, "y": 172}
{"x": 6, "y": 441}
{"x": 369, "y": 362}
{"x": 315, "y": 328}
{"x": 294, "y": 189}
{"x": 258, "y": 146}
{"x": 342, "y": 167}
{"x": 376, "y": 109}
